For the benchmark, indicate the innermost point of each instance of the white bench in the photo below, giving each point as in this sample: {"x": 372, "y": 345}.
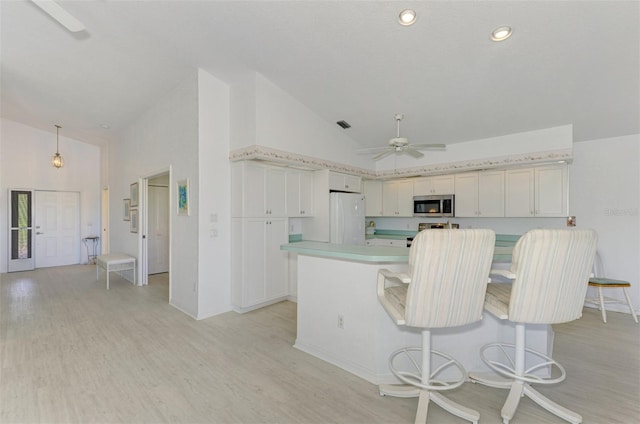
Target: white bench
{"x": 115, "y": 262}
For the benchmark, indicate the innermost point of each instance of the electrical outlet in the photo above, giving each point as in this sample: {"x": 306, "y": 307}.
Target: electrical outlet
{"x": 341, "y": 321}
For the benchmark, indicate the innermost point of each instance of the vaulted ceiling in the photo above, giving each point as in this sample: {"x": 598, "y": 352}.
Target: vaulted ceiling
{"x": 567, "y": 62}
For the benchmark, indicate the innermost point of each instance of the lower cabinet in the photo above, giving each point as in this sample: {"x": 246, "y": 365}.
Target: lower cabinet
{"x": 259, "y": 268}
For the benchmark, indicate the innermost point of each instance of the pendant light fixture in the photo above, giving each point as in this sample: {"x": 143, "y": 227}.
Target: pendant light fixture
{"x": 56, "y": 160}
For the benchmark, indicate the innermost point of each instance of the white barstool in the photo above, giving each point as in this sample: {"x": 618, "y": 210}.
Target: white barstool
{"x": 445, "y": 287}
{"x": 549, "y": 269}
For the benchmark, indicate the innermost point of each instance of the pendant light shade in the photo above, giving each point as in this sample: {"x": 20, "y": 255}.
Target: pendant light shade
{"x": 57, "y": 160}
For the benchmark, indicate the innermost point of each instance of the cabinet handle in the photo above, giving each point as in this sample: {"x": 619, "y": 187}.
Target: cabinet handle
{"x": 346, "y": 186}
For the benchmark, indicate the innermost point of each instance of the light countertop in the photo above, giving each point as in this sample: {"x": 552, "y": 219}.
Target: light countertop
{"x": 373, "y": 254}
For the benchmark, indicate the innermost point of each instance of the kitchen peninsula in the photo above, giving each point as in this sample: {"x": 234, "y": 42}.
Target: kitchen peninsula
{"x": 340, "y": 320}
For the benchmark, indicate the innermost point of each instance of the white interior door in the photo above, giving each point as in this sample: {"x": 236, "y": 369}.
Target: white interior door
{"x": 57, "y": 225}
{"x": 158, "y": 229}
{"x": 21, "y": 256}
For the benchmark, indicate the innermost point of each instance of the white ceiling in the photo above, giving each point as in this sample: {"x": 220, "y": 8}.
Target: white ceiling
{"x": 567, "y": 62}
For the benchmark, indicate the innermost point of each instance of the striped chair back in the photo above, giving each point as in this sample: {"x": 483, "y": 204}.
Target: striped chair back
{"x": 551, "y": 268}
{"x": 449, "y": 272}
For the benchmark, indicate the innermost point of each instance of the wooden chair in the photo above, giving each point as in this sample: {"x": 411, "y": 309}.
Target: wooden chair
{"x": 549, "y": 269}
{"x": 600, "y": 282}
{"x": 445, "y": 287}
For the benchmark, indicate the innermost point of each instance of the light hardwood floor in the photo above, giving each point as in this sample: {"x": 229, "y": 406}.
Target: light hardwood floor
{"x": 71, "y": 351}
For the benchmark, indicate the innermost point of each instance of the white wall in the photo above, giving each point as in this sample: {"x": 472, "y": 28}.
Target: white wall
{"x": 25, "y": 162}
{"x": 605, "y": 196}
{"x": 214, "y": 252}
{"x": 265, "y": 115}
{"x": 165, "y": 136}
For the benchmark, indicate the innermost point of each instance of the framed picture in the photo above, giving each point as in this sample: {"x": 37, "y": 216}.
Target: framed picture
{"x": 183, "y": 197}
{"x": 133, "y": 227}
{"x": 134, "y": 194}
{"x": 126, "y": 211}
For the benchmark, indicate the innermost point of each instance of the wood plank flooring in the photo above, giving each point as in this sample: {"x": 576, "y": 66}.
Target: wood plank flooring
{"x": 71, "y": 351}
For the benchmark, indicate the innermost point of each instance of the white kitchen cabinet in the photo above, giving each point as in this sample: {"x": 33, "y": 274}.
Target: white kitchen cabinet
{"x": 397, "y": 198}
{"x": 258, "y": 191}
{"x": 427, "y": 186}
{"x": 299, "y": 193}
{"x": 344, "y": 182}
{"x": 479, "y": 194}
{"x": 540, "y": 191}
{"x": 372, "y": 190}
{"x": 551, "y": 191}
{"x": 259, "y": 267}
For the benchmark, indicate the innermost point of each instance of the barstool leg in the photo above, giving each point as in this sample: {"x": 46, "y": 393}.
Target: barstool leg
{"x": 633, "y": 313}
{"x": 423, "y": 407}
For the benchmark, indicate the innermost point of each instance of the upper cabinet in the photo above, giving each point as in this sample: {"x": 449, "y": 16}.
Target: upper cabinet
{"x": 479, "y": 194}
{"x": 258, "y": 191}
{"x": 397, "y": 198}
{"x": 299, "y": 193}
{"x": 344, "y": 182}
{"x": 372, "y": 191}
{"x": 539, "y": 191}
{"x": 441, "y": 184}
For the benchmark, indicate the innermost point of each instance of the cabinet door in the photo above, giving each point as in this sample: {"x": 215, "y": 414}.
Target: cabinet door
{"x": 253, "y": 263}
{"x": 277, "y": 261}
{"x": 306, "y": 194}
{"x": 254, "y": 191}
{"x": 405, "y": 198}
{"x": 275, "y": 192}
{"x": 336, "y": 181}
{"x": 519, "y": 193}
{"x": 293, "y": 193}
{"x": 551, "y": 191}
{"x": 442, "y": 184}
{"x": 466, "y": 195}
{"x": 422, "y": 187}
{"x": 389, "y": 198}
{"x": 352, "y": 183}
{"x": 491, "y": 194}
{"x": 373, "y": 197}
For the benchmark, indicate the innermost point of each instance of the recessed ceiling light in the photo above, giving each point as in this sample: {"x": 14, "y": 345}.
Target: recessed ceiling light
{"x": 407, "y": 17}
{"x": 501, "y": 33}
{"x": 105, "y": 126}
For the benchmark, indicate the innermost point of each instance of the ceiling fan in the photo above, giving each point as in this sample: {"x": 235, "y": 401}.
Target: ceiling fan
{"x": 401, "y": 145}
{"x": 59, "y": 14}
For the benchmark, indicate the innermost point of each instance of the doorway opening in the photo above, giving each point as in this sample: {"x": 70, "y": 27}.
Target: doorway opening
{"x": 155, "y": 262}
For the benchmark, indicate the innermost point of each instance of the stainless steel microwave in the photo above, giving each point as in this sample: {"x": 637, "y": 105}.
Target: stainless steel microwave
{"x": 441, "y": 205}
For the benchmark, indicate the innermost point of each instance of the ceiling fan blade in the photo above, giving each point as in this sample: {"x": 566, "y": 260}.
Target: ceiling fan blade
{"x": 383, "y": 154}
{"x": 59, "y": 14}
{"x": 412, "y": 152}
{"x": 429, "y": 146}
{"x": 370, "y": 150}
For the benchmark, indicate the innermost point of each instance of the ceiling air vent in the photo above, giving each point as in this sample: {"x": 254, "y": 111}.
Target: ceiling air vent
{"x": 343, "y": 124}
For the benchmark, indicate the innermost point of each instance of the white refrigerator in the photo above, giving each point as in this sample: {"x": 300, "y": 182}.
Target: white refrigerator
{"x": 347, "y": 218}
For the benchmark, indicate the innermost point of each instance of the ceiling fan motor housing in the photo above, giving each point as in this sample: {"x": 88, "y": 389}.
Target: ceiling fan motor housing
{"x": 398, "y": 142}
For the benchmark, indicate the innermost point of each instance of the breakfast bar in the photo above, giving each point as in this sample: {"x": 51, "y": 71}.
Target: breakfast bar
{"x": 341, "y": 321}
